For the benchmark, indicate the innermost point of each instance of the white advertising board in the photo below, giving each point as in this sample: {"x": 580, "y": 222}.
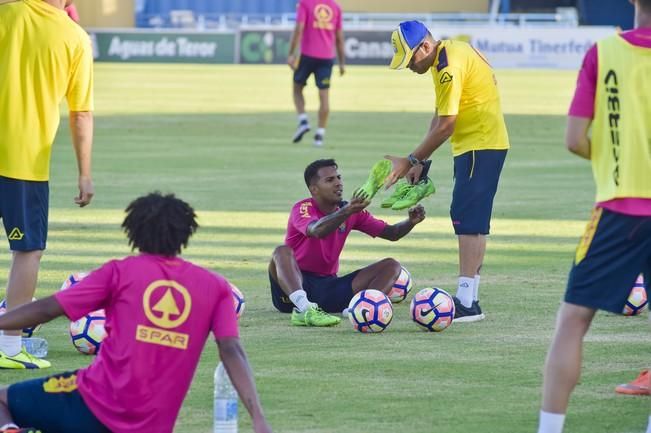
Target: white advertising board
{"x": 518, "y": 47}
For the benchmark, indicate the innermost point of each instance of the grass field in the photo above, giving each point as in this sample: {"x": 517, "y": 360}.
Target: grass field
{"x": 218, "y": 136}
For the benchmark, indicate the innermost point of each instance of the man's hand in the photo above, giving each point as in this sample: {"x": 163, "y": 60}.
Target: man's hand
{"x": 413, "y": 175}
{"x": 292, "y": 61}
{"x": 400, "y": 168}
{"x": 86, "y": 191}
{"x": 416, "y": 214}
{"x": 356, "y": 204}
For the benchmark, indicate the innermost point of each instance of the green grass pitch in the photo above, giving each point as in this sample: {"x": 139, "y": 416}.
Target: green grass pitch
{"x": 219, "y": 137}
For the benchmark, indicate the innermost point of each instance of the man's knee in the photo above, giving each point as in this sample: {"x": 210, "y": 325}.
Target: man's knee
{"x": 392, "y": 265}
{"x": 574, "y": 318}
{"x": 282, "y": 252}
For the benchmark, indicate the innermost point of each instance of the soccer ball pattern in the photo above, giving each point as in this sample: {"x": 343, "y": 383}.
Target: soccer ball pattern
{"x": 637, "y": 301}
{"x": 432, "y": 309}
{"x": 370, "y": 311}
{"x": 238, "y": 300}
{"x": 73, "y": 279}
{"x": 88, "y": 332}
{"x": 27, "y": 332}
{"x": 401, "y": 287}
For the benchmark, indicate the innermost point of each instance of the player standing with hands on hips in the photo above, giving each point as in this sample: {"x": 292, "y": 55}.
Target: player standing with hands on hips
{"x": 613, "y": 98}
{"x": 44, "y": 57}
{"x": 468, "y": 111}
{"x": 319, "y": 31}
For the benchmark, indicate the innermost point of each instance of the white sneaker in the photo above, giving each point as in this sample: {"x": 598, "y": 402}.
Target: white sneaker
{"x": 301, "y": 130}
{"x": 318, "y": 140}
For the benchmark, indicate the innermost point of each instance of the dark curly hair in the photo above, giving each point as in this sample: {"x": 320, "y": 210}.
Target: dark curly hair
{"x": 159, "y": 224}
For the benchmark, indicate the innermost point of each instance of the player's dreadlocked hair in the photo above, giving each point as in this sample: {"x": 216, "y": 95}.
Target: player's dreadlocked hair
{"x": 159, "y": 224}
{"x": 312, "y": 169}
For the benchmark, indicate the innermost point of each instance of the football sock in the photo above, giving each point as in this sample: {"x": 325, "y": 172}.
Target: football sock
{"x": 320, "y": 131}
{"x": 466, "y": 290}
{"x": 10, "y": 345}
{"x": 551, "y": 422}
{"x": 475, "y": 295}
{"x": 8, "y": 425}
{"x": 299, "y": 298}
{"x": 302, "y": 118}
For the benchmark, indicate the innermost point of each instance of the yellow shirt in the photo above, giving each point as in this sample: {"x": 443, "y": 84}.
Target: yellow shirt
{"x": 44, "y": 57}
{"x": 621, "y": 131}
{"x": 465, "y": 87}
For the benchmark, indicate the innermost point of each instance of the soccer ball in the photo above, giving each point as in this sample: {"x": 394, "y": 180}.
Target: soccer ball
{"x": 432, "y": 309}
{"x": 88, "y": 332}
{"x": 637, "y": 300}
{"x": 401, "y": 287}
{"x": 73, "y": 279}
{"x": 238, "y": 300}
{"x": 370, "y": 311}
{"x": 27, "y": 332}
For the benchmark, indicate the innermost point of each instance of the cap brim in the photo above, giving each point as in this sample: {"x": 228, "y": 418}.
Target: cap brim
{"x": 402, "y": 53}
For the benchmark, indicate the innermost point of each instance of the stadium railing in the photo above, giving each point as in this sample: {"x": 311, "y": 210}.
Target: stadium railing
{"x": 187, "y": 19}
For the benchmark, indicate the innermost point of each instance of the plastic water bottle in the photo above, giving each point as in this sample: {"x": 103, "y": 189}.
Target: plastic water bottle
{"x": 36, "y": 346}
{"x": 226, "y": 400}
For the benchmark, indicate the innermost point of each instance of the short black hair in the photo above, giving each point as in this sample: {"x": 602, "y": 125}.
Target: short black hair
{"x": 159, "y": 224}
{"x": 311, "y": 171}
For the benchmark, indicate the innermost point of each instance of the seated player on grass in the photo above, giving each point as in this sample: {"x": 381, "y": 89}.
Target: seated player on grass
{"x": 303, "y": 271}
{"x": 159, "y": 312}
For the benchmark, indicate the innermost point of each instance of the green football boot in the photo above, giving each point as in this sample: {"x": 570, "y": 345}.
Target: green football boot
{"x": 402, "y": 188}
{"x": 314, "y": 316}
{"x": 415, "y": 194}
{"x": 375, "y": 180}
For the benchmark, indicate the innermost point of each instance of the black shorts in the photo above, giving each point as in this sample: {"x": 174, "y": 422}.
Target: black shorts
{"x": 476, "y": 175}
{"x": 613, "y": 251}
{"x": 321, "y": 68}
{"x": 52, "y": 404}
{"x": 332, "y": 293}
{"x": 23, "y": 209}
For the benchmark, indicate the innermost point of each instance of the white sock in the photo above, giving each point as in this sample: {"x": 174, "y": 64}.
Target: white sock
{"x": 321, "y": 132}
{"x": 475, "y": 295}
{"x": 9, "y": 425}
{"x": 648, "y": 429}
{"x": 299, "y": 298}
{"x": 10, "y": 345}
{"x": 551, "y": 422}
{"x": 303, "y": 118}
{"x": 466, "y": 290}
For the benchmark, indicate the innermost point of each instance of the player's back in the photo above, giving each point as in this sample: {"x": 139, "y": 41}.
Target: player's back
{"x": 39, "y": 47}
{"x": 621, "y": 133}
{"x": 159, "y": 312}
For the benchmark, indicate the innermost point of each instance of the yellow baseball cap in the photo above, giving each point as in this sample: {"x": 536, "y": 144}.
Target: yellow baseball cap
{"x": 405, "y": 40}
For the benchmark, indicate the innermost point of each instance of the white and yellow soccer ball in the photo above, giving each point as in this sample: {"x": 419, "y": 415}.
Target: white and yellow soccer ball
{"x": 88, "y": 332}
{"x": 432, "y": 309}
{"x": 637, "y": 300}
{"x": 238, "y": 300}
{"x": 370, "y": 311}
{"x": 401, "y": 286}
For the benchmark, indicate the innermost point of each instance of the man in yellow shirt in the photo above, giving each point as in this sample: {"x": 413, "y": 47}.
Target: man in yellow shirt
{"x": 467, "y": 110}
{"x": 44, "y": 57}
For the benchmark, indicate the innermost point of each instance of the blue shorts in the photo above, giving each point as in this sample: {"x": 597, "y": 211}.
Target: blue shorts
{"x": 613, "y": 251}
{"x": 476, "y": 175}
{"x": 24, "y": 211}
{"x": 52, "y": 404}
{"x": 321, "y": 68}
{"x": 332, "y": 293}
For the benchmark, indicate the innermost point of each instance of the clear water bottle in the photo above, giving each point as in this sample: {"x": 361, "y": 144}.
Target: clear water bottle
{"x": 35, "y": 346}
{"x": 226, "y": 400}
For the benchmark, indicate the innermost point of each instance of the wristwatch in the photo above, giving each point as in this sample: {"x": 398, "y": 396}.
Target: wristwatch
{"x": 413, "y": 160}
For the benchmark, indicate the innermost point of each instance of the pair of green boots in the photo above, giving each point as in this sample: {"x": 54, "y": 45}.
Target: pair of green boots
{"x": 405, "y": 194}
